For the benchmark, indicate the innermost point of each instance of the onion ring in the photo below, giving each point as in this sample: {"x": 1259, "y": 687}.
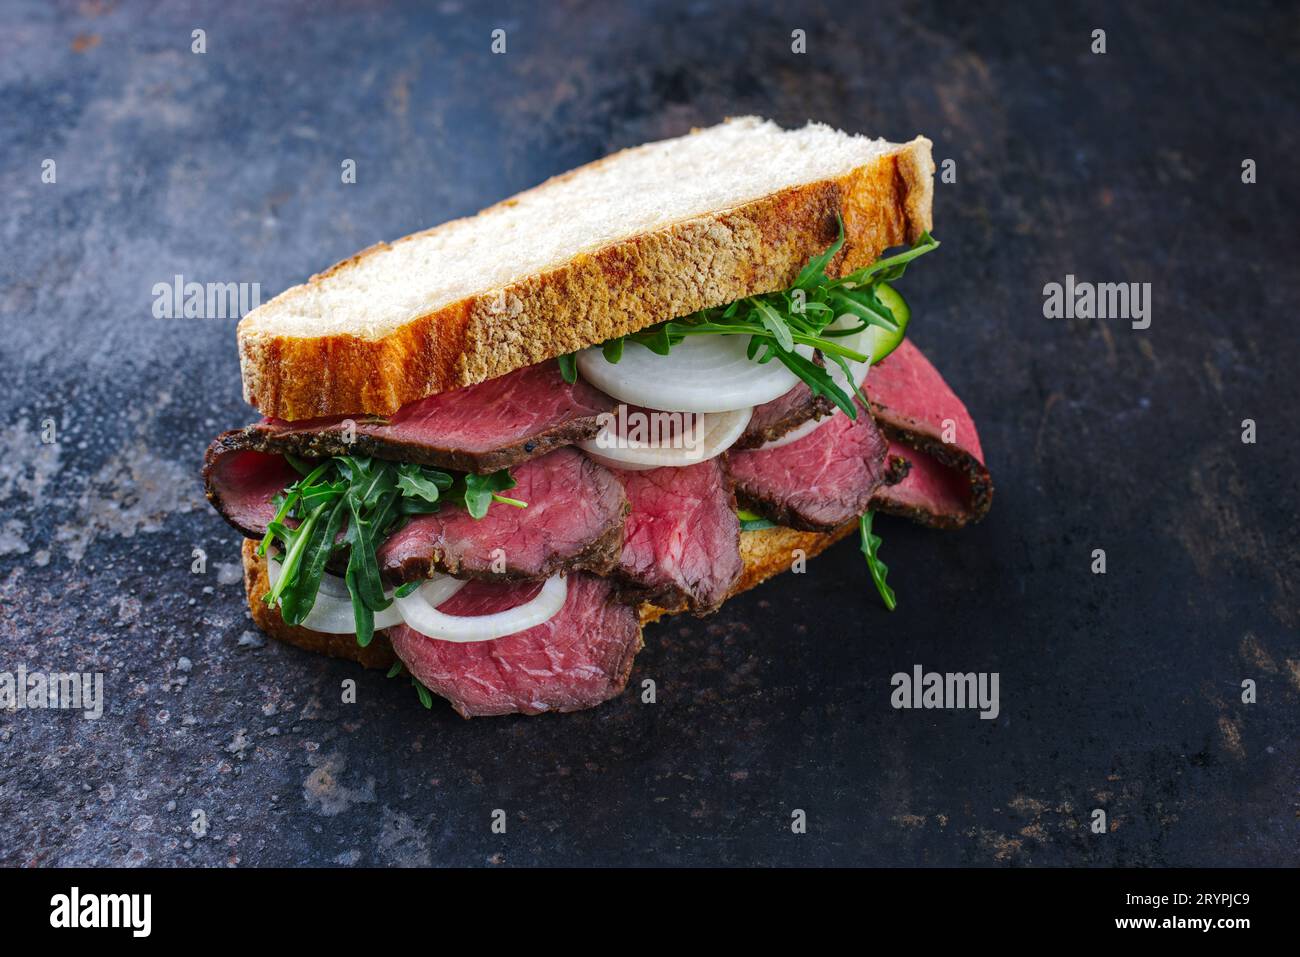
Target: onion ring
{"x": 331, "y": 613}
{"x": 700, "y": 374}
{"x": 720, "y": 430}
{"x": 421, "y": 616}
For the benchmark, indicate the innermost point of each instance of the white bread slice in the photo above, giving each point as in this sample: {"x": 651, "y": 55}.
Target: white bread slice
{"x": 766, "y": 553}
{"x": 644, "y": 235}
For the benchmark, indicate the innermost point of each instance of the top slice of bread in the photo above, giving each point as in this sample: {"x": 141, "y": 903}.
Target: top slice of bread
{"x": 641, "y": 236}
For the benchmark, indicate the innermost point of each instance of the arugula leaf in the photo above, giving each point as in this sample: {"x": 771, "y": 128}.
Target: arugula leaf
{"x": 363, "y": 566}
{"x": 371, "y": 480}
{"x": 814, "y": 274}
{"x": 819, "y": 380}
{"x": 354, "y": 503}
{"x": 777, "y": 322}
{"x": 568, "y": 367}
{"x": 296, "y": 543}
{"x": 865, "y": 307}
{"x": 362, "y": 615}
{"x": 324, "y": 493}
{"x": 893, "y": 267}
{"x": 284, "y": 503}
{"x": 416, "y": 482}
{"x": 479, "y": 491}
{"x": 297, "y": 602}
{"x": 879, "y": 570}
{"x": 301, "y": 466}
{"x": 426, "y": 696}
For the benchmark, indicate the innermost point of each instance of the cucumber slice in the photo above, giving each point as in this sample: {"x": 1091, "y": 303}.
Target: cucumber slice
{"x": 881, "y": 342}
{"x": 752, "y": 521}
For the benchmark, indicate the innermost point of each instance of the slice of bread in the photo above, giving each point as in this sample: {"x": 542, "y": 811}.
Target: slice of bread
{"x": 638, "y": 237}
{"x": 766, "y": 553}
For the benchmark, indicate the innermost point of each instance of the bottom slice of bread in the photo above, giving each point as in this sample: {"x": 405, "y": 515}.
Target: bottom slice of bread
{"x": 766, "y": 552}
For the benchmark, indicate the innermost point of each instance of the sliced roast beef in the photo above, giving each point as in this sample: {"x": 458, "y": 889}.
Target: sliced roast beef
{"x": 574, "y": 519}
{"x": 929, "y": 491}
{"x": 493, "y": 425}
{"x": 681, "y": 545}
{"x": 240, "y": 483}
{"x": 578, "y": 659}
{"x": 818, "y": 482}
{"x": 771, "y": 420}
{"x": 919, "y": 413}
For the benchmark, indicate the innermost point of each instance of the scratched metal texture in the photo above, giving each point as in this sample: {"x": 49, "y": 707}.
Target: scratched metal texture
{"x": 1120, "y": 692}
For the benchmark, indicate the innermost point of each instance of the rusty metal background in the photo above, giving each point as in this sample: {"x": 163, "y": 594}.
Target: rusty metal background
{"x": 1121, "y": 692}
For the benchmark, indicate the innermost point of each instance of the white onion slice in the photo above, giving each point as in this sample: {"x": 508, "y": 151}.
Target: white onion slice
{"x": 441, "y": 587}
{"x": 701, "y": 374}
{"x": 420, "y": 615}
{"x": 861, "y": 342}
{"x": 718, "y": 431}
{"x": 331, "y": 613}
{"x": 331, "y": 585}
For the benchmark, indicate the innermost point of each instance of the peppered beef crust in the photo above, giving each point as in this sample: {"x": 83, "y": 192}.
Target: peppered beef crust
{"x": 223, "y": 492}
{"x": 821, "y": 481}
{"x": 329, "y": 441}
{"x": 574, "y": 521}
{"x": 952, "y": 457}
{"x": 783, "y": 415}
{"x": 917, "y": 409}
{"x": 598, "y": 558}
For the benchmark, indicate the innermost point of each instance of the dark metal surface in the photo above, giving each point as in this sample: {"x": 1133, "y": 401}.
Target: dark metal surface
{"x": 1120, "y": 692}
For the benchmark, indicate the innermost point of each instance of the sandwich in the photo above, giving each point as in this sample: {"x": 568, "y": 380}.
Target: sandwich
{"x": 491, "y": 453}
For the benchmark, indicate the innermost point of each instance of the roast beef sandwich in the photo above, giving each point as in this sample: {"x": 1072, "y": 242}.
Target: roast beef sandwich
{"x": 491, "y": 452}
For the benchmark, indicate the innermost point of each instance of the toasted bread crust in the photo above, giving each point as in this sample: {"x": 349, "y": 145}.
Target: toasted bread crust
{"x": 766, "y": 553}
{"x": 378, "y": 654}
{"x": 693, "y": 264}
